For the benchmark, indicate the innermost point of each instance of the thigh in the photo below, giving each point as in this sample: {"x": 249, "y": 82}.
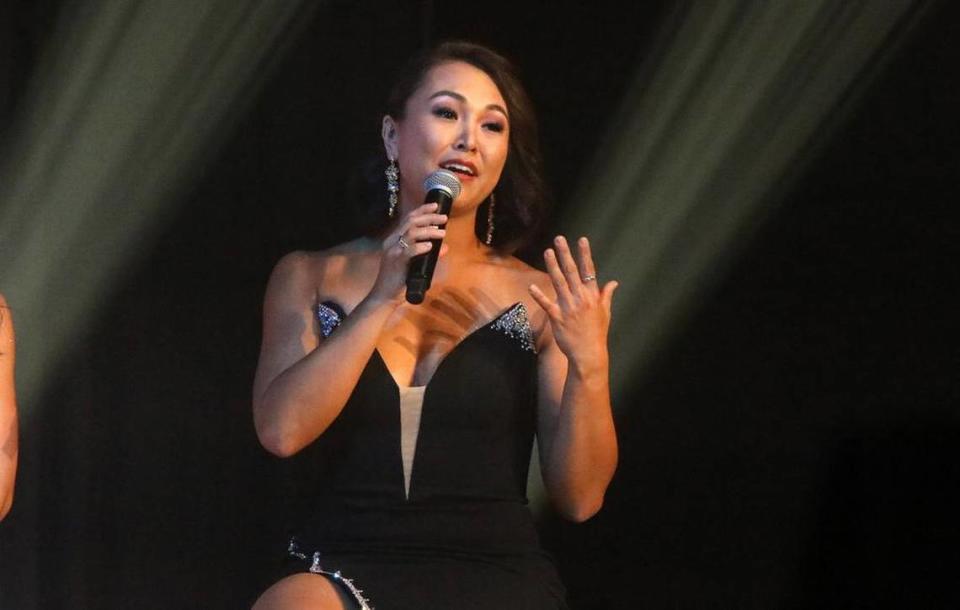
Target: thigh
{"x": 304, "y": 590}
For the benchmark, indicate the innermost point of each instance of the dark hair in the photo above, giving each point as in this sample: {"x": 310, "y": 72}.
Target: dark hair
{"x": 521, "y": 194}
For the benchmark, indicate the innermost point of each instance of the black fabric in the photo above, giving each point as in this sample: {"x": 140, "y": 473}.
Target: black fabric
{"x": 465, "y": 538}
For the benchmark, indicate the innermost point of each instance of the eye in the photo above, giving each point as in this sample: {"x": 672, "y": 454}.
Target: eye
{"x": 495, "y": 126}
{"x": 445, "y": 112}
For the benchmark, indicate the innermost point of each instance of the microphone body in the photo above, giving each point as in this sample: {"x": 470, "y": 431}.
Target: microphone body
{"x": 442, "y": 188}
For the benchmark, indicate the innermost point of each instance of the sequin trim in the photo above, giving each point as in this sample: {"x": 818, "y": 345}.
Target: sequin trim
{"x": 516, "y": 324}
{"x": 328, "y": 318}
{"x": 293, "y": 549}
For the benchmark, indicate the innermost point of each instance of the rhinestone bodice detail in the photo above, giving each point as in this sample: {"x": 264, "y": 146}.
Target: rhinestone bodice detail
{"x": 513, "y": 322}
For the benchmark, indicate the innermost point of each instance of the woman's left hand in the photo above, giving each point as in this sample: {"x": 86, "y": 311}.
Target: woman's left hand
{"x": 580, "y": 315}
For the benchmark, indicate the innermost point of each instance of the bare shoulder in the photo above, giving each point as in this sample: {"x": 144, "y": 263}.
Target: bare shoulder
{"x": 324, "y": 272}
{"x": 513, "y": 279}
{"x": 519, "y": 275}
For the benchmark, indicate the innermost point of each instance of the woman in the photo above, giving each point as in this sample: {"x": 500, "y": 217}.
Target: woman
{"x": 418, "y": 420}
{"x": 8, "y": 411}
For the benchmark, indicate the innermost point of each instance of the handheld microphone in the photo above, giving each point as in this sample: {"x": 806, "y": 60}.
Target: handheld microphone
{"x": 442, "y": 188}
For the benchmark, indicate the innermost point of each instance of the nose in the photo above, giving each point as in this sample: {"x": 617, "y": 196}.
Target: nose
{"x": 465, "y": 140}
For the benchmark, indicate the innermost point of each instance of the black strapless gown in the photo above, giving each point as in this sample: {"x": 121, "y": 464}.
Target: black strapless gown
{"x": 464, "y": 538}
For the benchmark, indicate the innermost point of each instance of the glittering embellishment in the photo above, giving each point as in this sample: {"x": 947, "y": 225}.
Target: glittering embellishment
{"x": 515, "y": 324}
{"x": 315, "y": 566}
{"x": 354, "y": 591}
{"x": 328, "y": 318}
{"x": 293, "y": 549}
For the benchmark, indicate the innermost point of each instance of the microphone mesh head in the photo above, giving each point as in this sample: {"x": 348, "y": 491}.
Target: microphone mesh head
{"x": 445, "y": 180}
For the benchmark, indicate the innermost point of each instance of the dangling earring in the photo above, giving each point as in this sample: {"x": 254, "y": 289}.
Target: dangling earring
{"x": 393, "y": 186}
{"x": 489, "y": 239}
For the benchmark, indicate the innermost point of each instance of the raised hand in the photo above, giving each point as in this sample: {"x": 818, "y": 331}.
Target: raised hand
{"x": 580, "y": 315}
{"x": 410, "y": 238}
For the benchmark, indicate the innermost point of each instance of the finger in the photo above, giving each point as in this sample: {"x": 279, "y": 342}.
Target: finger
{"x": 426, "y": 208}
{"x": 428, "y": 219}
{"x": 421, "y": 247}
{"x": 411, "y": 230}
{"x": 568, "y": 265}
{"x": 606, "y": 295}
{"x": 557, "y": 278}
{"x": 544, "y": 301}
{"x": 587, "y": 268}
{"x": 422, "y": 233}
{"x": 406, "y": 245}
{"x": 393, "y": 241}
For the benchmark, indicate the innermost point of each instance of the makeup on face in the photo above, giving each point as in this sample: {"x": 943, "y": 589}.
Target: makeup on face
{"x": 456, "y": 120}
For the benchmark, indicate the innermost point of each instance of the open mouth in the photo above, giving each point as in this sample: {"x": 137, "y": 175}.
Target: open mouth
{"x": 460, "y": 168}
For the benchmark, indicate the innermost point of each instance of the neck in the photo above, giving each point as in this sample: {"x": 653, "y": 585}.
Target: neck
{"x": 461, "y": 239}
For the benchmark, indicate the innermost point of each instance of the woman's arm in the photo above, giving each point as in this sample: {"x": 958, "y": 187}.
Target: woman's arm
{"x": 303, "y": 381}
{"x": 8, "y": 411}
{"x": 575, "y": 430}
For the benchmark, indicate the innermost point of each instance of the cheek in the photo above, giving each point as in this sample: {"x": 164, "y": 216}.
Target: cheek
{"x": 412, "y": 152}
{"x": 498, "y": 156}
{"x": 422, "y": 142}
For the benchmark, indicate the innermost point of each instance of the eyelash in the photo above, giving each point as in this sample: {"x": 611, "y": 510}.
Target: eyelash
{"x": 444, "y": 113}
{"x": 447, "y": 113}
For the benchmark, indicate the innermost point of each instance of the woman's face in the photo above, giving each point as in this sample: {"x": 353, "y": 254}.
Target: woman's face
{"x": 456, "y": 120}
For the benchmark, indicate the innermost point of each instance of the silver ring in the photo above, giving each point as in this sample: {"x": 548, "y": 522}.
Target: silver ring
{"x": 403, "y": 244}
{"x": 588, "y": 278}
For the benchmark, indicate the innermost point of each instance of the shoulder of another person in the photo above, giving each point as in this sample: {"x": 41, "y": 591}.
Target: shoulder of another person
{"x": 6, "y": 326}
{"x": 5, "y": 315}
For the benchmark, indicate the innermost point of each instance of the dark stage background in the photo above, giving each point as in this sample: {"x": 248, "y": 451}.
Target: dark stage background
{"x": 797, "y": 445}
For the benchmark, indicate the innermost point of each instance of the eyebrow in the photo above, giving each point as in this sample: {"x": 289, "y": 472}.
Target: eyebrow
{"x": 461, "y": 98}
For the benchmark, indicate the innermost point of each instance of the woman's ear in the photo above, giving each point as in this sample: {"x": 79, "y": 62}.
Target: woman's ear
{"x": 389, "y": 134}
